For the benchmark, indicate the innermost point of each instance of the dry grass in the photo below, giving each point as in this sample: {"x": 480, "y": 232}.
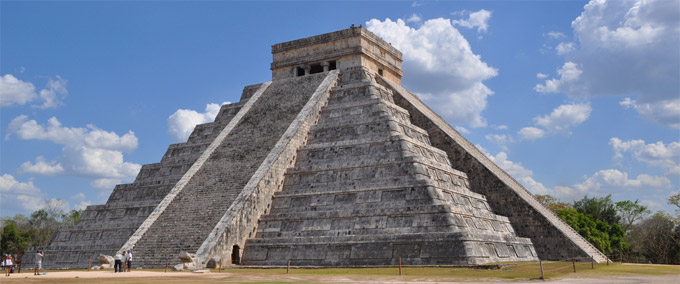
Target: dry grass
{"x": 509, "y": 271}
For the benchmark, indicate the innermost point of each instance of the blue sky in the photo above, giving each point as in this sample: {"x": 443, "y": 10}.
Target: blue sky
{"x": 570, "y": 97}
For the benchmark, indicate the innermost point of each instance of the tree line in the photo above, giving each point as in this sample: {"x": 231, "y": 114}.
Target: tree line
{"x": 624, "y": 230}
{"x": 36, "y": 230}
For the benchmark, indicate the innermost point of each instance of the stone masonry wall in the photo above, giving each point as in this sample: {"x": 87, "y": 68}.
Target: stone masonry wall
{"x": 104, "y": 228}
{"x": 240, "y": 220}
{"x": 196, "y": 209}
{"x": 368, "y": 189}
{"x": 552, "y": 238}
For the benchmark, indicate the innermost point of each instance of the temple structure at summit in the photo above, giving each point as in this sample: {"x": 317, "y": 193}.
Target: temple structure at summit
{"x": 332, "y": 163}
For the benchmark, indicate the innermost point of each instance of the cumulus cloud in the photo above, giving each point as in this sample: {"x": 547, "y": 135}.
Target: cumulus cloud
{"x": 627, "y": 48}
{"x": 41, "y": 167}
{"x": 564, "y": 117}
{"x": 531, "y": 133}
{"x": 565, "y": 48}
{"x": 14, "y": 91}
{"x": 90, "y": 136}
{"x": 664, "y": 156}
{"x": 415, "y": 18}
{"x": 17, "y": 92}
{"x": 78, "y": 201}
{"x": 19, "y": 196}
{"x": 105, "y": 183}
{"x": 540, "y": 75}
{"x": 664, "y": 112}
{"x": 90, "y": 151}
{"x": 462, "y": 130}
{"x": 612, "y": 181}
{"x": 556, "y": 35}
{"x": 500, "y": 139}
{"x": 479, "y": 20}
{"x": 561, "y": 120}
{"x": 603, "y": 182}
{"x": 440, "y": 67}
{"x": 569, "y": 73}
{"x": 519, "y": 173}
{"x": 51, "y": 95}
{"x": 182, "y": 122}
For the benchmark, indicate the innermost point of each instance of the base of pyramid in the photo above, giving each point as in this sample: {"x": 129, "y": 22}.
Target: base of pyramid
{"x": 413, "y": 249}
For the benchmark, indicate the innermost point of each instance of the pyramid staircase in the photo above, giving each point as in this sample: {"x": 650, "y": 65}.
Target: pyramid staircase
{"x": 185, "y": 218}
{"x": 103, "y": 229}
{"x": 368, "y": 189}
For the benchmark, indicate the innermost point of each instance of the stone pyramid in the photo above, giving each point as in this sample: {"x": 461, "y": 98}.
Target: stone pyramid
{"x": 332, "y": 163}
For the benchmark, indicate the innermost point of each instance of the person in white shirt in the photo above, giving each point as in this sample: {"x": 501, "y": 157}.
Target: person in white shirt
{"x": 117, "y": 264}
{"x": 128, "y": 259}
{"x": 38, "y": 262}
{"x": 8, "y": 262}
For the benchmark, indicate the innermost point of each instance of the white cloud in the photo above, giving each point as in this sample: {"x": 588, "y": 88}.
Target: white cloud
{"x": 417, "y": 4}
{"x": 674, "y": 171}
{"x": 499, "y": 139}
{"x": 519, "y": 173}
{"x": 440, "y": 67}
{"x": 14, "y": 91}
{"x": 78, "y": 196}
{"x": 613, "y": 181}
{"x": 569, "y": 73}
{"x": 540, "y": 75}
{"x": 182, "y": 122}
{"x": 415, "y": 18}
{"x": 564, "y": 117}
{"x": 91, "y": 136}
{"x": 479, "y": 20}
{"x": 17, "y": 92}
{"x": 462, "y": 130}
{"x": 89, "y": 152}
{"x": 531, "y": 133}
{"x": 51, "y": 96}
{"x": 502, "y": 127}
{"x": 16, "y": 196}
{"x": 105, "y": 183}
{"x": 627, "y": 48}
{"x": 561, "y": 120}
{"x": 654, "y": 154}
{"x": 603, "y": 182}
{"x": 41, "y": 167}
{"x": 652, "y": 205}
{"x": 79, "y": 201}
{"x": 664, "y": 112}
{"x": 556, "y": 35}
{"x": 565, "y": 48}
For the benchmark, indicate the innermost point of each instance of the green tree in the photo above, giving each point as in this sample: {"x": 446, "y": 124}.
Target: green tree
{"x": 13, "y": 241}
{"x": 551, "y": 202}
{"x": 594, "y": 231}
{"x": 72, "y": 218}
{"x": 602, "y": 208}
{"x": 630, "y": 212}
{"x": 675, "y": 200}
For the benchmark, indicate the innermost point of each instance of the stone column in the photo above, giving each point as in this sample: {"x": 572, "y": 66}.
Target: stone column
{"x": 325, "y": 65}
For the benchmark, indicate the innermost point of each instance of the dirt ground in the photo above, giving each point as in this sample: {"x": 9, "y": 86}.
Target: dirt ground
{"x": 101, "y": 277}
